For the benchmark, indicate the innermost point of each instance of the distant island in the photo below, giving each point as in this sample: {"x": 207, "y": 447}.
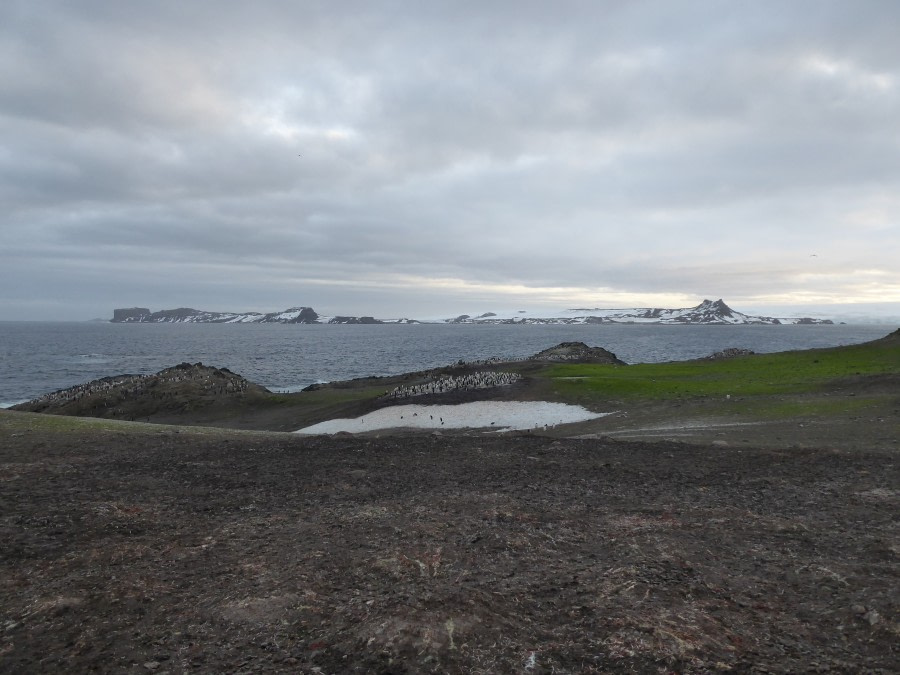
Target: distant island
{"x": 708, "y": 312}
{"x": 305, "y": 315}
{"x": 188, "y": 315}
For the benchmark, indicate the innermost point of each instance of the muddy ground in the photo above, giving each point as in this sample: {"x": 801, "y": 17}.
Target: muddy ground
{"x": 152, "y": 549}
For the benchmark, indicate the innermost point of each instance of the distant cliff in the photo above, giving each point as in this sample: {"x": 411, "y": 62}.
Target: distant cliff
{"x": 354, "y": 319}
{"x": 131, "y": 314}
{"x": 188, "y": 315}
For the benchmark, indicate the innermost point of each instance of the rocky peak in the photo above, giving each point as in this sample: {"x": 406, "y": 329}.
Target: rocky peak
{"x": 717, "y": 307}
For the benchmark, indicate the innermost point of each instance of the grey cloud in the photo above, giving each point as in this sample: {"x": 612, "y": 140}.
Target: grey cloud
{"x": 643, "y": 147}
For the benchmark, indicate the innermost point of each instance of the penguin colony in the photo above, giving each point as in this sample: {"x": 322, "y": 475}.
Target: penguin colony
{"x": 127, "y": 387}
{"x": 449, "y": 383}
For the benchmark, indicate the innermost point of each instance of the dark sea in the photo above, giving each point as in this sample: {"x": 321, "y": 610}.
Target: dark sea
{"x": 37, "y": 358}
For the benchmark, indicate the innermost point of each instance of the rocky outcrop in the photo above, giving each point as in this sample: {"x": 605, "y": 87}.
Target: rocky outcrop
{"x": 181, "y": 388}
{"x": 577, "y": 352}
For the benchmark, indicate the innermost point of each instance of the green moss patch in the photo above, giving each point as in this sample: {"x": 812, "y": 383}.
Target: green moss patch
{"x": 755, "y": 375}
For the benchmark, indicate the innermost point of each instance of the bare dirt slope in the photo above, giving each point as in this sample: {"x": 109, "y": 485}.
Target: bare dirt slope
{"x": 139, "y": 548}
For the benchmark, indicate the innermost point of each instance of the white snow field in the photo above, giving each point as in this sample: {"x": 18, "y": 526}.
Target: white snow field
{"x": 500, "y": 415}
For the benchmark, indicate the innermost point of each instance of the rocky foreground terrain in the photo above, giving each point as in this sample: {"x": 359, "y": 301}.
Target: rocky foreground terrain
{"x": 150, "y": 549}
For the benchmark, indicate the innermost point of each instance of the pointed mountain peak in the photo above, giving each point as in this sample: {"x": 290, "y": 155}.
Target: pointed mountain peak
{"x": 716, "y": 306}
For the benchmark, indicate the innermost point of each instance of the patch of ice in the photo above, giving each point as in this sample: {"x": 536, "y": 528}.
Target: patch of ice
{"x": 505, "y": 415}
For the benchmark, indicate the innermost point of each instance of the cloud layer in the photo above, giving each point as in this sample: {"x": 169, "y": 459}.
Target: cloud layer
{"x": 392, "y": 158}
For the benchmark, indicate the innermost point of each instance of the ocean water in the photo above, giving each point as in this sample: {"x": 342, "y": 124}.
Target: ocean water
{"x": 37, "y": 358}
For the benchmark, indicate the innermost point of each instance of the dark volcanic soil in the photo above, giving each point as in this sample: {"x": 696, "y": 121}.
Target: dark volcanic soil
{"x": 138, "y": 548}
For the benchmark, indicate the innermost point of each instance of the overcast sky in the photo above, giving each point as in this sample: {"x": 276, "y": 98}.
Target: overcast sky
{"x": 428, "y": 158}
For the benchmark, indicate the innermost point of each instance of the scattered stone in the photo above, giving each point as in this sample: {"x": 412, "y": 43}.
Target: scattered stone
{"x": 730, "y": 353}
{"x": 872, "y": 617}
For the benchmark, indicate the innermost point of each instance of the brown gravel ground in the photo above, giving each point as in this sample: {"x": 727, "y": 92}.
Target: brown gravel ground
{"x": 141, "y": 548}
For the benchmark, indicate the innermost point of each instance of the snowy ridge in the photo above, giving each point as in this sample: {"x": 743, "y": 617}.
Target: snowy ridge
{"x": 188, "y": 315}
{"x": 714, "y": 312}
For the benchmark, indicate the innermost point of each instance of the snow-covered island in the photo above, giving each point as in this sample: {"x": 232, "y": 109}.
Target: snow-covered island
{"x": 712, "y": 312}
{"x": 305, "y": 315}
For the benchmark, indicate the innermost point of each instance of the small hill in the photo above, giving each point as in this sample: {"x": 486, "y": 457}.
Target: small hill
{"x": 180, "y": 389}
{"x": 577, "y": 352}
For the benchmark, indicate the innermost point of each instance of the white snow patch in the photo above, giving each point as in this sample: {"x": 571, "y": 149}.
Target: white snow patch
{"x": 506, "y": 415}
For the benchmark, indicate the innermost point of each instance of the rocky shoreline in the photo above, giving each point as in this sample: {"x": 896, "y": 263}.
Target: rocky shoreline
{"x": 188, "y": 391}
